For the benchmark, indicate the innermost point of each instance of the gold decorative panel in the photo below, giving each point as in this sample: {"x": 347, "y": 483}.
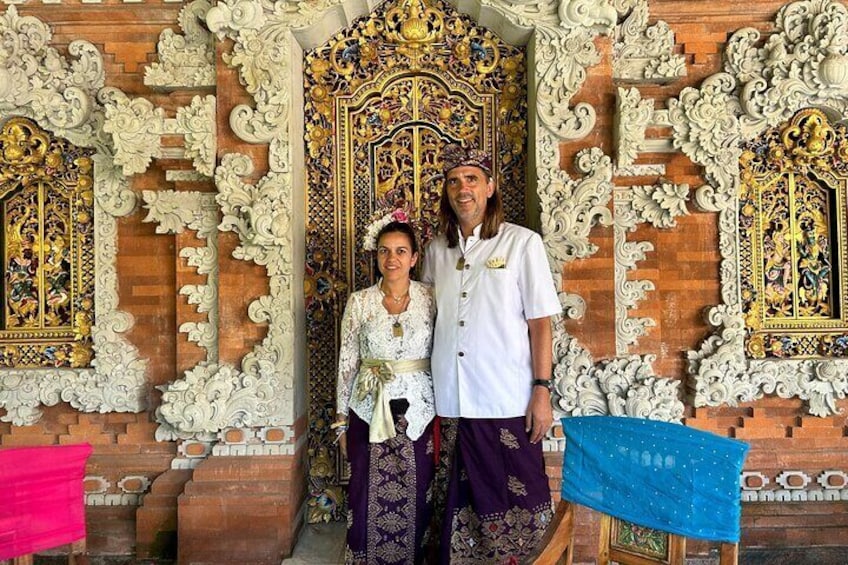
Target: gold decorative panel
{"x": 381, "y": 99}
{"x": 46, "y": 200}
{"x": 793, "y": 240}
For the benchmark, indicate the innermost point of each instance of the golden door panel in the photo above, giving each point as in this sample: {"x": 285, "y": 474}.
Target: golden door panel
{"x": 793, "y": 241}
{"x": 46, "y": 201}
{"x": 381, "y": 99}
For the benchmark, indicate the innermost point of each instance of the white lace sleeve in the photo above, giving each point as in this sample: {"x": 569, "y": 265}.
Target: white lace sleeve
{"x": 348, "y": 352}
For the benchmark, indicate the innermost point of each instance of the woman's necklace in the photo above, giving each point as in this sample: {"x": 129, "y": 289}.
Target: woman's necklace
{"x": 397, "y": 327}
{"x": 396, "y": 299}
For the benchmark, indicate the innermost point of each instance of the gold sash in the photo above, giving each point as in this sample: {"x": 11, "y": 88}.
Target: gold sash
{"x": 374, "y": 374}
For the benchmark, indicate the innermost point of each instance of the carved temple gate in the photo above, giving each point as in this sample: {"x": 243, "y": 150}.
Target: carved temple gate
{"x": 381, "y": 99}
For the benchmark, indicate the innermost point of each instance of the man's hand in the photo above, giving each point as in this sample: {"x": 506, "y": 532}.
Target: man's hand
{"x": 540, "y": 414}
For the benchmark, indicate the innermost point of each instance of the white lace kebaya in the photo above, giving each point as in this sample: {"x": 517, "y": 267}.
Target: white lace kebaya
{"x": 367, "y": 333}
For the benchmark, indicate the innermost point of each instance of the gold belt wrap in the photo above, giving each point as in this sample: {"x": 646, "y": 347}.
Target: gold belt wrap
{"x": 374, "y": 374}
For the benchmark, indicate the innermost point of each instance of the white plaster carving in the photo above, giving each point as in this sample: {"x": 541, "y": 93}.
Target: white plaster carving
{"x": 137, "y": 128}
{"x": 196, "y": 123}
{"x": 143, "y": 484}
{"x": 620, "y": 387}
{"x": 188, "y": 60}
{"x": 570, "y": 208}
{"x": 725, "y": 376}
{"x": 632, "y": 116}
{"x": 135, "y": 125}
{"x": 802, "y": 64}
{"x": 588, "y": 13}
{"x": 785, "y": 479}
{"x": 802, "y": 492}
{"x": 175, "y": 211}
{"x": 659, "y": 204}
{"x": 758, "y": 476}
{"x": 65, "y": 97}
{"x": 648, "y": 170}
{"x": 643, "y": 53}
{"x": 628, "y": 293}
{"x": 214, "y": 396}
{"x": 799, "y": 65}
{"x": 826, "y": 479}
{"x": 706, "y": 129}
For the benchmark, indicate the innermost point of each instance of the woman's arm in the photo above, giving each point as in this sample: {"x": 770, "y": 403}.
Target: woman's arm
{"x": 348, "y": 363}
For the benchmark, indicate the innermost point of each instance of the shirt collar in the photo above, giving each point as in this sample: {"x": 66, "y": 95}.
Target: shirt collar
{"x": 466, "y": 243}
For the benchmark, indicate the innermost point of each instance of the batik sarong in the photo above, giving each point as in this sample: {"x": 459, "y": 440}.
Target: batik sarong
{"x": 389, "y": 494}
{"x": 498, "y": 500}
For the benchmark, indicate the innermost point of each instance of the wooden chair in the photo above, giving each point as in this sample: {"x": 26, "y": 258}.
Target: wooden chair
{"x": 42, "y": 502}
{"x": 652, "y": 482}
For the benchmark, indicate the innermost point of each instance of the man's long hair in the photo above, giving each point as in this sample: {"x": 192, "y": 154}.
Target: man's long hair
{"x": 493, "y": 217}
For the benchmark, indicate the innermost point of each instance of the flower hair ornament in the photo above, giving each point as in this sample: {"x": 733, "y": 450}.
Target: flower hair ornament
{"x": 369, "y": 241}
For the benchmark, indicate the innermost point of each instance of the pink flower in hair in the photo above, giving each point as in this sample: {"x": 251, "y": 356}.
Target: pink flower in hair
{"x": 400, "y": 216}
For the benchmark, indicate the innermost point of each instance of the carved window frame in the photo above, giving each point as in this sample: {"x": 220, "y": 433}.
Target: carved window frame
{"x": 67, "y": 104}
{"x": 757, "y": 91}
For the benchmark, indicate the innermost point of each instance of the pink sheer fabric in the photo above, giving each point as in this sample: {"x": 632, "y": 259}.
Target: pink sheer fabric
{"x": 42, "y": 499}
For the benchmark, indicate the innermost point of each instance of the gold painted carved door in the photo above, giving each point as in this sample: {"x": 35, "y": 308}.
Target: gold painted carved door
{"x": 381, "y": 99}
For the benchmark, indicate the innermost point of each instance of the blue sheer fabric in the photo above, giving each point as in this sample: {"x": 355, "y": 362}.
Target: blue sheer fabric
{"x": 655, "y": 474}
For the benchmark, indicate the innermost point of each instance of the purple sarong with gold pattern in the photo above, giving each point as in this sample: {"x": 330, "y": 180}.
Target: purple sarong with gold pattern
{"x": 390, "y": 494}
{"x": 498, "y": 500}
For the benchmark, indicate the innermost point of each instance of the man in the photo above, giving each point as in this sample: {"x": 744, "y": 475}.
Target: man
{"x": 491, "y": 362}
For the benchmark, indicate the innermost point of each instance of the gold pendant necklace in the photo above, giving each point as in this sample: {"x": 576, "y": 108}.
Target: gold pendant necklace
{"x": 460, "y": 263}
{"x": 397, "y": 328}
{"x": 395, "y": 299}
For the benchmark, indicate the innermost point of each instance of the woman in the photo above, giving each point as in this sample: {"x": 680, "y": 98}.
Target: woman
{"x": 385, "y": 407}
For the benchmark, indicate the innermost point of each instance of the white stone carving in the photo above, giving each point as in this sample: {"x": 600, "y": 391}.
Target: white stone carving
{"x": 725, "y": 376}
{"x": 135, "y": 125}
{"x": 799, "y": 65}
{"x": 659, "y": 204}
{"x": 185, "y": 61}
{"x": 587, "y": 13}
{"x": 137, "y": 128}
{"x": 620, "y": 387}
{"x": 214, "y": 396}
{"x": 628, "y": 293}
{"x": 784, "y": 479}
{"x": 143, "y": 484}
{"x": 648, "y": 170}
{"x": 570, "y": 208}
{"x": 802, "y": 64}
{"x": 706, "y": 129}
{"x": 802, "y": 492}
{"x": 643, "y": 53}
{"x": 632, "y": 116}
{"x": 65, "y": 97}
{"x": 196, "y": 123}
{"x": 175, "y": 211}
{"x": 826, "y": 479}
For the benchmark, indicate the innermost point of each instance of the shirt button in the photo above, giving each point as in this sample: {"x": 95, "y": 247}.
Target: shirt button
{"x": 461, "y": 354}
{"x": 461, "y": 323}
{"x": 467, "y": 266}
{"x": 464, "y": 294}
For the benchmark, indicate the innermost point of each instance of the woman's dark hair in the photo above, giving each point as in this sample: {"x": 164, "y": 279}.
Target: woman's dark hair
{"x": 399, "y": 227}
